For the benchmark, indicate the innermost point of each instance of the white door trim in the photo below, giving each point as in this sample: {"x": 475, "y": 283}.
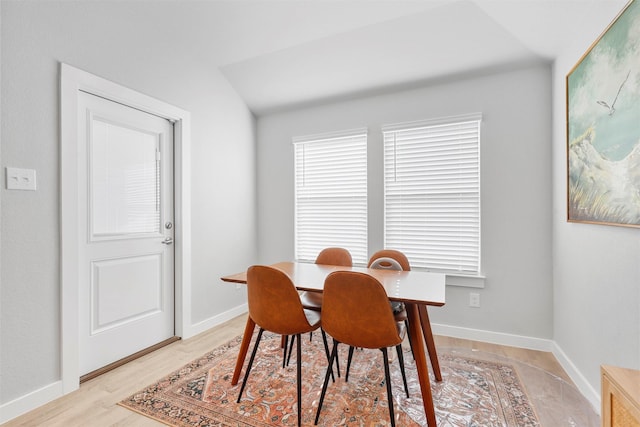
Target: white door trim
{"x": 73, "y": 80}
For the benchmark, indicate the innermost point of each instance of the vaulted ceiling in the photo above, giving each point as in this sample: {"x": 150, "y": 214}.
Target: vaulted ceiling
{"x": 322, "y": 50}
{"x": 281, "y": 53}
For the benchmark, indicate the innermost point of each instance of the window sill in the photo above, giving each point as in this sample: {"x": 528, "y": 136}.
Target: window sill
{"x": 462, "y": 280}
{"x": 465, "y": 281}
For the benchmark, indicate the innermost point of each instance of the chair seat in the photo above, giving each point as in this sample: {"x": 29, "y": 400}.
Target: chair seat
{"x": 400, "y": 316}
{"x": 313, "y": 317}
{"x": 311, "y": 300}
{"x": 397, "y": 307}
{"x": 401, "y": 327}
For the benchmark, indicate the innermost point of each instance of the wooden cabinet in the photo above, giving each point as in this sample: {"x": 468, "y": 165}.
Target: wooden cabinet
{"x": 620, "y": 397}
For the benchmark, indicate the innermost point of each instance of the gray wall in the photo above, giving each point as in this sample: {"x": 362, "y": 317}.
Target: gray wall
{"x": 123, "y": 42}
{"x": 596, "y": 267}
{"x": 516, "y": 187}
{"x": 592, "y": 311}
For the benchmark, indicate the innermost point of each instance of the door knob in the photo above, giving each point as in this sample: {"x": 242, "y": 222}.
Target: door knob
{"x": 167, "y": 241}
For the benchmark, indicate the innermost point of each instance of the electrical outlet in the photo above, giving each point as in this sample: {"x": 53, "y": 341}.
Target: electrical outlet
{"x": 474, "y": 299}
{"x": 21, "y": 179}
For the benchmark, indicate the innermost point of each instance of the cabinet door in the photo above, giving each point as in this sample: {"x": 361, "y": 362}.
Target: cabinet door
{"x": 620, "y": 397}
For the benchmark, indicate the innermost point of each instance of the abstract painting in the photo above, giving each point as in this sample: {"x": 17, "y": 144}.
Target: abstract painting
{"x": 603, "y": 127}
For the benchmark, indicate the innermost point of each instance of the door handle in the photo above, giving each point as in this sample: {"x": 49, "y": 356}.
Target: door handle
{"x": 167, "y": 241}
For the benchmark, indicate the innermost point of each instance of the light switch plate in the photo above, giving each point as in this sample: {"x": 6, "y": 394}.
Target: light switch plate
{"x": 21, "y": 179}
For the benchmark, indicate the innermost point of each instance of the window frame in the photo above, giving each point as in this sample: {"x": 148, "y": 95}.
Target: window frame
{"x": 352, "y": 231}
{"x": 420, "y": 256}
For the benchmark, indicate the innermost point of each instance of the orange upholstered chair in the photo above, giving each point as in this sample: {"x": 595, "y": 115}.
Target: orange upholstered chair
{"x": 328, "y": 256}
{"x": 356, "y": 312}
{"x": 392, "y": 254}
{"x": 274, "y": 305}
{"x": 313, "y": 300}
{"x": 391, "y": 259}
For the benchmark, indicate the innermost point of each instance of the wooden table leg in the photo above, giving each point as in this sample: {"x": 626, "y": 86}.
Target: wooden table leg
{"x": 421, "y": 362}
{"x": 244, "y": 346}
{"x": 428, "y": 338}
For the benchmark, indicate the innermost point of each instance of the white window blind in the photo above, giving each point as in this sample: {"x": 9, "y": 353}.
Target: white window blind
{"x": 331, "y": 194}
{"x": 432, "y": 192}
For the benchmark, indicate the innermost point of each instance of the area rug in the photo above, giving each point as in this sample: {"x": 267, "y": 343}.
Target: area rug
{"x": 473, "y": 392}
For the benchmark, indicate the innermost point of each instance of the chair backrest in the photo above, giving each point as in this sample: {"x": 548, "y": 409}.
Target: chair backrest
{"x": 274, "y": 302}
{"x": 393, "y": 254}
{"x": 335, "y": 256}
{"x": 385, "y": 263}
{"x": 356, "y": 311}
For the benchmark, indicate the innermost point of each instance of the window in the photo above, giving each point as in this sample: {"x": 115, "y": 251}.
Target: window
{"x": 331, "y": 194}
{"x": 432, "y": 192}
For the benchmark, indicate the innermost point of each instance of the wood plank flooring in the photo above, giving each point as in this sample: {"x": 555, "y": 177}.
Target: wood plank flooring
{"x": 95, "y": 403}
{"x": 540, "y": 359}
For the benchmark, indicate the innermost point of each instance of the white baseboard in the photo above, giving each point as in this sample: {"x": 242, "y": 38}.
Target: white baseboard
{"x": 540, "y": 344}
{"x": 46, "y": 394}
{"x": 206, "y": 324}
{"x": 30, "y": 401}
{"x": 591, "y": 394}
{"x": 493, "y": 337}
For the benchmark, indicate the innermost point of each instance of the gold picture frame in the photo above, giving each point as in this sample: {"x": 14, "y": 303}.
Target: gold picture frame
{"x": 603, "y": 127}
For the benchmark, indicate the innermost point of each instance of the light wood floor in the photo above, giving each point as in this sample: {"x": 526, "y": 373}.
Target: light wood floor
{"x": 96, "y": 400}
{"x": 540, "y": 359}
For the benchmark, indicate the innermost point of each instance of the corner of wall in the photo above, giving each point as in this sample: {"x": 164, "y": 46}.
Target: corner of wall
{"x": 592, "y": 395}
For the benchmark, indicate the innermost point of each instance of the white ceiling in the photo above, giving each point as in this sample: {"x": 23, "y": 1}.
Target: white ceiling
{"x": 281, "y": 54}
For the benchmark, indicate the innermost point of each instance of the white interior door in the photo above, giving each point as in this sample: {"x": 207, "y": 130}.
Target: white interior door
{"x": 125, "y": 159}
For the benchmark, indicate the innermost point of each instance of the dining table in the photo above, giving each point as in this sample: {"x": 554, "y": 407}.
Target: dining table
{"x": 416, "y": 289}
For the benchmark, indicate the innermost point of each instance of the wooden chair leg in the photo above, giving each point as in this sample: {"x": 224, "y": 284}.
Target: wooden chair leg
{"x": 253, "y": 356}
{"x": 388, "y": 379}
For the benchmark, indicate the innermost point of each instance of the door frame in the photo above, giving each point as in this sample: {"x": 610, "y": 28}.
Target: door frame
{"x": 72, "y": 81}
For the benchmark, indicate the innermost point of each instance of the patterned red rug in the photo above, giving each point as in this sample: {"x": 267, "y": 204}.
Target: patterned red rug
{"x": 473, "y": 392}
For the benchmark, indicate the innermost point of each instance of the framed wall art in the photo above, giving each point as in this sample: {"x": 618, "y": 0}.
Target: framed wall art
{"x": 603, "y": 127}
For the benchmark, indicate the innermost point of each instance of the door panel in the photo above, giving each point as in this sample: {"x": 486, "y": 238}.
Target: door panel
{"x": 137, "y": 277}
{"x": 126, "y": 266}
